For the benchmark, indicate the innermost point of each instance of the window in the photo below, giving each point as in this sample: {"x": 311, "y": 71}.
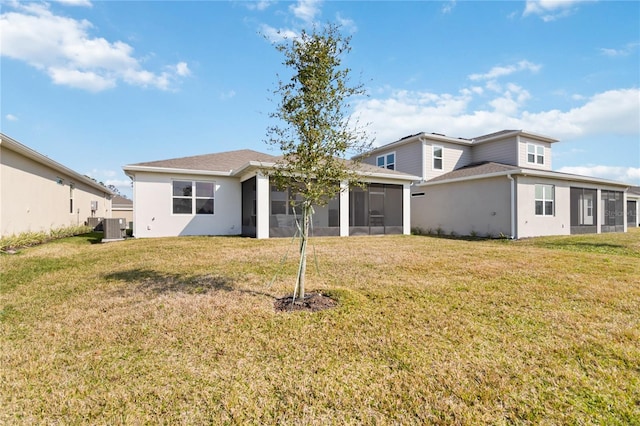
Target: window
{"x": 544, "y": 200}
{"x": 387, "y": 161}
{"x": 192, "y": 196}
{"x": 71, "y": 186}
{"x": 535, "y": 154}
{"x": 437, "y": 157}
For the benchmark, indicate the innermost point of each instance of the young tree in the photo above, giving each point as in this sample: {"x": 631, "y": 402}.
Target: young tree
{"x": 313, "y": 130}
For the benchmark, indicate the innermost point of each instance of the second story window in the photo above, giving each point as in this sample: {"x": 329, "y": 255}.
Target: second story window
{"x": 437, "y": 157}
{"x": 387, "y": 161}
{"x": 535, "y": 154}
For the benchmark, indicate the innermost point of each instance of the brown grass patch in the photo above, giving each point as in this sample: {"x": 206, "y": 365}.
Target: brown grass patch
{"x": 426, "y": 330}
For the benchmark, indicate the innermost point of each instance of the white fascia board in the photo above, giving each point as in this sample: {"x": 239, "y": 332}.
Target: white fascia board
{"x": 129, "y": 169}
{"x": 524, "y": 133}
{"x": 536, "y": 173}
{"x": 252, "y": 165}
{"x": 467, "y": 178}
{"x": 16, "y": 146}
{"x": 402, "y": 178}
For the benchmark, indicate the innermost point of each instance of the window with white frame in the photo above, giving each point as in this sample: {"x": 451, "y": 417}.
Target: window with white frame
{"x": 192, "y": 197}
{"x": 437, "y": 157}
{"x": 71, "y": 188}
{"x": 387, "y": 161}
{"x": 545, "y": 200}
{"x": 535, "y": 154}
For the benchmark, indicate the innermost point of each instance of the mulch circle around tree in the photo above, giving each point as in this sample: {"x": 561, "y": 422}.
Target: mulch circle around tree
{"x": 312, "y": 302}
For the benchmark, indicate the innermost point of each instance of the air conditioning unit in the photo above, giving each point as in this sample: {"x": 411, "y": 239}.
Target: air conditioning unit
{"x": 114, "y": 229}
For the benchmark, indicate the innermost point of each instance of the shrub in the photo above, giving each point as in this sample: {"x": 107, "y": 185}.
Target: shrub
{"x": 28, "y": 239}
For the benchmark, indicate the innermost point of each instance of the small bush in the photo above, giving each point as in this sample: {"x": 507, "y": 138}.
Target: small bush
{"x": 29, "y": 239}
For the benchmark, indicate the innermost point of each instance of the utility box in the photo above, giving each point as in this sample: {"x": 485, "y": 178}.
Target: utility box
{"x": 114, "y": 229}
{"x": 95, "y": 223}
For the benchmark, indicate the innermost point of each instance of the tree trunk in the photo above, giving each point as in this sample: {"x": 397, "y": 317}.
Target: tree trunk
{"x": 302, "y": 268}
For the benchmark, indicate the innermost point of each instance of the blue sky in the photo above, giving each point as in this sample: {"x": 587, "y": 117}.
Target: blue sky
{"x": 97, "y": 85}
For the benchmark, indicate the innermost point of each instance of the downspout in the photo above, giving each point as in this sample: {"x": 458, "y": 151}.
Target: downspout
{"x": 513, "y": 206}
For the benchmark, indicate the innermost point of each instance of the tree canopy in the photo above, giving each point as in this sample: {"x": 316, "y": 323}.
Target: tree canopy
{"x": 313, "y": 128}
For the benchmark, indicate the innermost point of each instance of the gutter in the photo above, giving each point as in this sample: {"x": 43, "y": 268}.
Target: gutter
{"x": 513, "y": 206}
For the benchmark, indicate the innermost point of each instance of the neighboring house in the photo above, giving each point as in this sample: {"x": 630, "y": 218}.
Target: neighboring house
{"x": 500, "y": 184}
{"x": 633, "y": 207}
{"x": 39, "y": 194}
{"x": 228, "y": 194}
{"x": 122, "y": 207}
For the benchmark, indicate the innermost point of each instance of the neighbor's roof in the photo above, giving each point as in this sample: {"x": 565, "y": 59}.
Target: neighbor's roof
{"x": 235, "y": 163}
{"x": 439, "y": 137}
{"x": 118, "y": 201}
{"x": 13, "y": 145}
{"x": 635, "y": 190}
{"x": 490, "y": 169}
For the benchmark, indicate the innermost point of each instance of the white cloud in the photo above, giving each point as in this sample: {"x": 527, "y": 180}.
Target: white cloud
{"x": 62, "y": 48}
{"x": 11, "y": 117}
{"x": 83, "y": 3}
{"x": 227, "y": 95}
{"x": 346, "y": 23}
{"x": 448, "y": 6}
{"x": 306, "y": 10}
{"x": 257, "y": 5}
{"x": 629, "y": 175}
{"x": 275, "y": 35}
{"x": 400, "y": 113}
{"x": 626, "y": 50}
{"x": 501, "y": 71}
{"x": 551, "y": 10}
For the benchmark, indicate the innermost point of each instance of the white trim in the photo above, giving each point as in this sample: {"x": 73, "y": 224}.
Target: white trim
{"x": 434, "y": 158}
{"x": 528, "y": 172}
{"x": 13, "y": 145}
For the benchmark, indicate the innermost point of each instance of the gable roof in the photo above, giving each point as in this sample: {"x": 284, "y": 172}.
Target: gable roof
{"x": 235, "y": 163}
{"x": 438, "y": 137}
{"x": 490, "y": 169}
{"x": 218, "y": 162}
{"x": 118, "y": 201}
{"x": 13, "y": 145}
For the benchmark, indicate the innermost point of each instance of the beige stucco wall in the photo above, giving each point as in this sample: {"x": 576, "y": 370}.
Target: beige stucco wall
{"x": 530, "y": 225}
{"x": 32, "y": 200}
{"x": 153, "y": 213}
{"x": 479, "y": 207}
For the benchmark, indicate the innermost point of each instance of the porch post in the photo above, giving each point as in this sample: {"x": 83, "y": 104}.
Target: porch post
{"x": 600, "y": 211}
{"x": 344, "y": 209}
{"x": 262, "y": 206}
{"x": 406, "y": 208}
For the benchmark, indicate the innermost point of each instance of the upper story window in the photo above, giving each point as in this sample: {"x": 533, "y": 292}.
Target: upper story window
{"x": 437, "y": 157}
{"x": 192, "y": 196}
{"x": 545, "y": 200}
{"x": 535, "y": 154}
{"x": 387, "y": 161}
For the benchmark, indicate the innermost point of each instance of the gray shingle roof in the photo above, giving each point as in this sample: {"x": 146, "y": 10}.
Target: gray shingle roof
{"x": 475, "y": 169}
{"x": 219, "y": 162}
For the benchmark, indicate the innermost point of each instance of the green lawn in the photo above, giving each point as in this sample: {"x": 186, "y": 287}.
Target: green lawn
{"x": 427, "y": 330}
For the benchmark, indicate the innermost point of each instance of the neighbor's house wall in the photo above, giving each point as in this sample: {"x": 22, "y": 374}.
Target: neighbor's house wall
{"x": 32, "y": 200}
{"x": 122, "y": 212}
{"x": 153, "y": 211}
{"x": 522, "y": 154}
{"x": 408, "y": 158}
{"x": 473, "y": 207}
{"x": 500, "y": 151}
{"x": 453, "y": 157}
{"x": 530, "y": 225}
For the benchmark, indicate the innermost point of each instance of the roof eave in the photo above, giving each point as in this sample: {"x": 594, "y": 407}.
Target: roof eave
{"x": 16, "y": 146}
{"x": 528, "y": 172}
{"x": 131, "y": 168}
